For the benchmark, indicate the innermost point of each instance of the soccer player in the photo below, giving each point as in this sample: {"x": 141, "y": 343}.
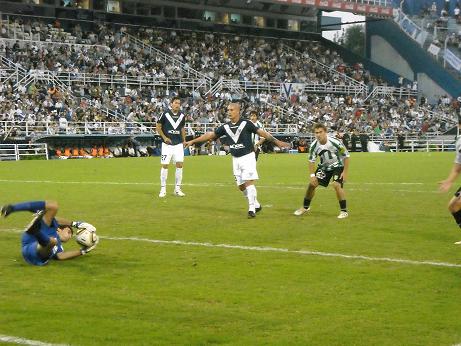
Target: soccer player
{"x": 237, "y": 133}
{"x": 334, "y": 163}
{"x": 454, "y": 206}
{"x": 43, "y": 237}
{"x": 170, "y": 126}
{"x": 257, "y": 140}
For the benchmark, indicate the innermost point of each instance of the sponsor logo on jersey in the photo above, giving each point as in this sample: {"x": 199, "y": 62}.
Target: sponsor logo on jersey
{"x": 236, "y": 146}
{"x": 174, "y": 132}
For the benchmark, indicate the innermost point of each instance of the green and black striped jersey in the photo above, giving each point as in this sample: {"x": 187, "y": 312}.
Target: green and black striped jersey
{"x": 331, "y": 154}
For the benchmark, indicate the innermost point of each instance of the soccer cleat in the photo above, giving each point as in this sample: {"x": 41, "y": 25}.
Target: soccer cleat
{"x": 251, "y": 214}
{"x": 301, "y": 211}
{"x": 343, "y": 214}
{"x": 458, "y": 243}
{"x": 258, "y": 209}
{"x": 179, "y": 193}
{"x": 162, "y": 193}
{"x": 6, "y": 210}
{"x": 34, "y": 226}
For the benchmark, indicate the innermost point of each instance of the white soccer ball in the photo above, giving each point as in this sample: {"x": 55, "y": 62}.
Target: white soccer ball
{"x": 86, "y": 237}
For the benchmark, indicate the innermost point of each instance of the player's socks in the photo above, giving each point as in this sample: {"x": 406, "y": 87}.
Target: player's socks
{"x": 306, "y": 203}
{"x": 163, "y": 177}
{"x": 251, "y": 195}
{"x": 32, "y": 206}
{"x": 178, "y": 178}
{"x": 457, "y": 216}
{"x": 342, "y": 205}
{"x": 245, "y": 193}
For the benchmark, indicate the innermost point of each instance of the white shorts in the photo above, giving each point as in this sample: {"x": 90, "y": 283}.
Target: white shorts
{"x": 244, "y": 168}
{"x": 175, "y": 152}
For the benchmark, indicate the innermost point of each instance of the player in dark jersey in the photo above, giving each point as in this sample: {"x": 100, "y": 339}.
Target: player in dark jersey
{"x": 454, "y": 206}
{"x": 170, "y": 126}
{"x": 43, "y": 237}
{"x": 237, "y": 133}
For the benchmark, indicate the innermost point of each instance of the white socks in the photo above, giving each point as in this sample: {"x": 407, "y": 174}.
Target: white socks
{"x": 251, "y": 194}
{"x": 163, "y": 177}
{"x": 178, "y": 177}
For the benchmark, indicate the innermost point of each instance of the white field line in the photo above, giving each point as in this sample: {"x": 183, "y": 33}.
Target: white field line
{"x": 274, "y": 249}
{"x": 22, "y": 341}
{"x": 274, "y": 186}
{"x": 282, "y": 250}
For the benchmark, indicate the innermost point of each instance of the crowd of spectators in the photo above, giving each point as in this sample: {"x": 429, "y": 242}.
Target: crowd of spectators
{"x": 107, "y": 51}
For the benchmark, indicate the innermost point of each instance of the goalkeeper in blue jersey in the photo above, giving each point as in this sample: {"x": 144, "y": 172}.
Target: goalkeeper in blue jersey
{"x": 333, "y": 165}
{"x": 43, "y": 237}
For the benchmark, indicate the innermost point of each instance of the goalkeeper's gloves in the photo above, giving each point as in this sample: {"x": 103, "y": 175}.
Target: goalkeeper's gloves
{"x": 81, "y": 225}
{"x": 85, "y": 250}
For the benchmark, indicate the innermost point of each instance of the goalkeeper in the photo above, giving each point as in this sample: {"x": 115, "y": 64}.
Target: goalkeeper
{"x": 43, "y": 237}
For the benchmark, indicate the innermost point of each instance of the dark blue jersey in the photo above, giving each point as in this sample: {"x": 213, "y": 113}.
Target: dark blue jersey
{"x": 238, "y": 136}
{"x": 172, "y": 125}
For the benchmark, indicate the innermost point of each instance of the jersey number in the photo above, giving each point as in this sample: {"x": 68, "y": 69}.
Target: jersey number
{"x": 164, "y": 157}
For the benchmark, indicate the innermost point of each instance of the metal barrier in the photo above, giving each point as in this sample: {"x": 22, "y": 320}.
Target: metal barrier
{"x": 44, "y": 128}
{"x": 16, "y": 152}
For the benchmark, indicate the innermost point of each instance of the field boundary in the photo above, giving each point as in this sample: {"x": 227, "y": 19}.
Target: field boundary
{"x": 22, "y": 341}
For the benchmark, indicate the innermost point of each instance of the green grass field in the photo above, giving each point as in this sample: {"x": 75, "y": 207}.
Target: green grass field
{"x": 136, "y": 292}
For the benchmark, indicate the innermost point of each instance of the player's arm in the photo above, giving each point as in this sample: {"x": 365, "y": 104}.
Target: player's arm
{"x": 313, "y": 179}
{"x": 270, "y": 139}
{"x": 345, "y": 172}
{"x": 159, "y": 129}
{"x": 445, "y": 185}
{"x": 183, "y": 134}
{"x": 203, "y": 138}
{"x": 65, "y": 255}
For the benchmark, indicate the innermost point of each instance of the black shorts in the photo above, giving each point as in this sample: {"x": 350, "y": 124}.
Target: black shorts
{"x": 324, "y": 177}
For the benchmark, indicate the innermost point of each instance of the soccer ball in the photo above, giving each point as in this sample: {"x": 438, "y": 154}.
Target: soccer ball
{"x": 87, "y": 237}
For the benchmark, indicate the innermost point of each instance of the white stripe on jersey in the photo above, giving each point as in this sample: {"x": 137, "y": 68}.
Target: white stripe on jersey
{"x": 173, "y": 123}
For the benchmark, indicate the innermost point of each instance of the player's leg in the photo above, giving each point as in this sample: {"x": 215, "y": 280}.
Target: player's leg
{"x": 178, "y": 157}
{"x": 341, "y": 196}
{"x": 454, "y": 206}
{"x": 44, "y": 244}
{"x": 164, "y": 162}
{"x": 310, "y": 192}
{"x": 249, "y": 175}
{"x": 338, "y": 186}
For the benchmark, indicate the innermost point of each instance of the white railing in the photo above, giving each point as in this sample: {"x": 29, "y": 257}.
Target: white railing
{"x": 167, "y": 58}
{"x": 44, "y": 128}
{"x": 20, "y": 151}
{"x": 343, "y": 76}
{"x": 140, "y": 81}
{"x": 391, "y": 91}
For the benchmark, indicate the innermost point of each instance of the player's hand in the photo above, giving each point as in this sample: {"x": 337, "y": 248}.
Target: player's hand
{"x": 167, "y": 140}
{"x": 343, "y": 177}
{"x": 444, "y": 185}
{"x": 85, "y": 250}
{"x": 187, "y": 144}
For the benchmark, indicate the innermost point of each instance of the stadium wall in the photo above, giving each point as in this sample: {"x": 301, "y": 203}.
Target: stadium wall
{"x": 375, "y": 68}
{"x": 388, "y": 46}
